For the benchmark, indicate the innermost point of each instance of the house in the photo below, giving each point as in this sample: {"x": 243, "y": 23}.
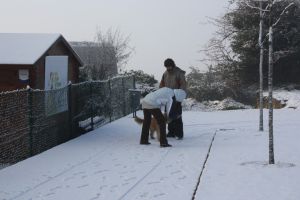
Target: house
{"x": 40, "y": 60}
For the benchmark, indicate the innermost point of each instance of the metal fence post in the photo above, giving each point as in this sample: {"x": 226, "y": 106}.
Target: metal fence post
{"x": 70, "y": 110}
{"x": 124, "y": 97}
{"x": 30, "y": 120}
{"x": 110, "y": 105}
{"x": 92, "y": 107}
{"x": 132, "y": 98}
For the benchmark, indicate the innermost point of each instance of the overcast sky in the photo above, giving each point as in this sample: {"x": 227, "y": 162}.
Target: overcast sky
{"x": 158, "y": 29}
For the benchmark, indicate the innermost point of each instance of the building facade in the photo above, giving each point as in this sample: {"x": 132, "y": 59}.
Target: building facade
{"x": 35, "y": 60}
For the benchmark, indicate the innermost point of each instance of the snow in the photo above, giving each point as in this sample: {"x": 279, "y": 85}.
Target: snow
{"x": 24, "y": 48}
{"x": 109, "y": 164}
{"x": 222, "y": 156}
{"x": 238, "y": 169}
{"x": 226, "y": 104}
{"x": 290, "y": 98}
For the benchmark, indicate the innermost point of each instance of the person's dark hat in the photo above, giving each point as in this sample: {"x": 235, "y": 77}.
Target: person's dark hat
{"x": 169, "y": 63}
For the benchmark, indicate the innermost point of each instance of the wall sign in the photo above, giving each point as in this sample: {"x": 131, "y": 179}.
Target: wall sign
{"x": 24, "y": 75}
{"x": 56, "y": 81}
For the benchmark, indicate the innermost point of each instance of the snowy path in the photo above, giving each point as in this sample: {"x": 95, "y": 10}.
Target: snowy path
{"x": 109, "y": 164}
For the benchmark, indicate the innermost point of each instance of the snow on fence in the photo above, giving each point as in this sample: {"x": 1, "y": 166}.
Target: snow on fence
{"x": 33, "y": 121}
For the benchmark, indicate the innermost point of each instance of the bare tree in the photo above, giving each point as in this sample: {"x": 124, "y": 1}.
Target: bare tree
{"x": 219, "y": 53}
{"x": 114, "y": 43}
{"x": 261, "y": 57}
{"x": 273, "y": 21}
{"x": 270, "y": 86}
{"x": 105, "y": 55}
{"x": 270, "y": 77}
{"x": 261, "y": 60}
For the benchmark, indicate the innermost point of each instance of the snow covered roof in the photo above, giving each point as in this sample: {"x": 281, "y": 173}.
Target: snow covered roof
{"x": 24, "y": 48}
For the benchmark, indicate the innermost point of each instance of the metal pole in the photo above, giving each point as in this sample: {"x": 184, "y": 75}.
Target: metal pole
{"x": 30, "y": 120}
{"x": 110, "y": 106}
{"x": 124, "y": 97}
{"x": 70, "y": 110}
{"x": 92, "y": 102}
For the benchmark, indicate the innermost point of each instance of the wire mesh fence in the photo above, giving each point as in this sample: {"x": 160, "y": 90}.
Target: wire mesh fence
{"x": 33, "y": 121}
{"x": 14, "y": 126}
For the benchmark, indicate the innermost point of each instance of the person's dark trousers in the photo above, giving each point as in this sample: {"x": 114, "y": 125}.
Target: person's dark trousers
{"x": 175, "y": 127}
{"x": 146, "y": 125}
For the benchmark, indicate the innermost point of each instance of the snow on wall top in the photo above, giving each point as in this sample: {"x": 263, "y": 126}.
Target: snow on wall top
{"x": 24, "y": 48}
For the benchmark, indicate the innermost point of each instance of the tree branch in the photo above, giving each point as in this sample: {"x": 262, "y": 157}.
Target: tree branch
{"x": 255, "y": 7}
{"x": 282, "y": 13}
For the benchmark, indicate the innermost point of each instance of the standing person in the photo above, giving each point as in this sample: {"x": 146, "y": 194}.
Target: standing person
{"x": 151, "y": 105}
{"x": 174, "y": 78}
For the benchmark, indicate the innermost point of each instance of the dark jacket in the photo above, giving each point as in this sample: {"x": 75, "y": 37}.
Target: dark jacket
{"x": 174, "y": 79}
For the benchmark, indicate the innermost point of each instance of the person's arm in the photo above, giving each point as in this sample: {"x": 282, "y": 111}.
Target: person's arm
{"x": 162, "y": 82}
{"x": 169, "y": 105}
{"x": 182, "y": 82}
{"x": 165, "y": 102}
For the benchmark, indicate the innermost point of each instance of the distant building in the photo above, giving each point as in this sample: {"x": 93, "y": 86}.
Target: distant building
{"x": 42, "y": 61}
{"x": 100, "y": 59}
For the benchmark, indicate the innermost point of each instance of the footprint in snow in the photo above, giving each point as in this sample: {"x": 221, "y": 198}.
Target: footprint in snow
{"x": 55, "y": 188}
{"x": 100, "y": 171}
{"x": 131, "y": 178}
{"x": 68, "y": 178}
{"x": 175, "y": 172}
{"x": 49, "y": 194}
{"x": 82, "y": 186}
{"x": 96, "y": 197}
{"x": 102, "y": 186}
{"x": 154, "y": 182}
{"x": 144, "y": 195}
{"x": 83, "y": 177}
{"x": 78, "y": 173}
{"x": 158, "y": 195}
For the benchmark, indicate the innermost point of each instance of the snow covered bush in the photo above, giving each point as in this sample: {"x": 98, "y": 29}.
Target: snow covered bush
{"x": 207, "y": 86}
{"x": 226, "y": 104}
{"x": 141, "y": 77}
{"x": 286, "y": 98}
{"x": 144, "y": 82}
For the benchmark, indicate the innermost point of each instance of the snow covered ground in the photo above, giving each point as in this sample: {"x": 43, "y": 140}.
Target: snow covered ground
{"x": 109, "y": 164}
{"x": 209, "y": 106}
{"x": 290, "y": 98}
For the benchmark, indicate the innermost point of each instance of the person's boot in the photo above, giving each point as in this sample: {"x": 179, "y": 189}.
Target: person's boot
{"x": 178, "y": 138}
{"x": 170, "y": 135}
{"x": 165, "y": 145}
{"x": 145, "y": 143}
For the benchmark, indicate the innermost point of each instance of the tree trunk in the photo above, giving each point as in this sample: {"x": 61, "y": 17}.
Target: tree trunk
{"x": 270, "y": 84}
{"x": 261, "y": 58}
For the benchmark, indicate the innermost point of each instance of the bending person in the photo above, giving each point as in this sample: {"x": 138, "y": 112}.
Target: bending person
{"x": 151, "y": 105}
